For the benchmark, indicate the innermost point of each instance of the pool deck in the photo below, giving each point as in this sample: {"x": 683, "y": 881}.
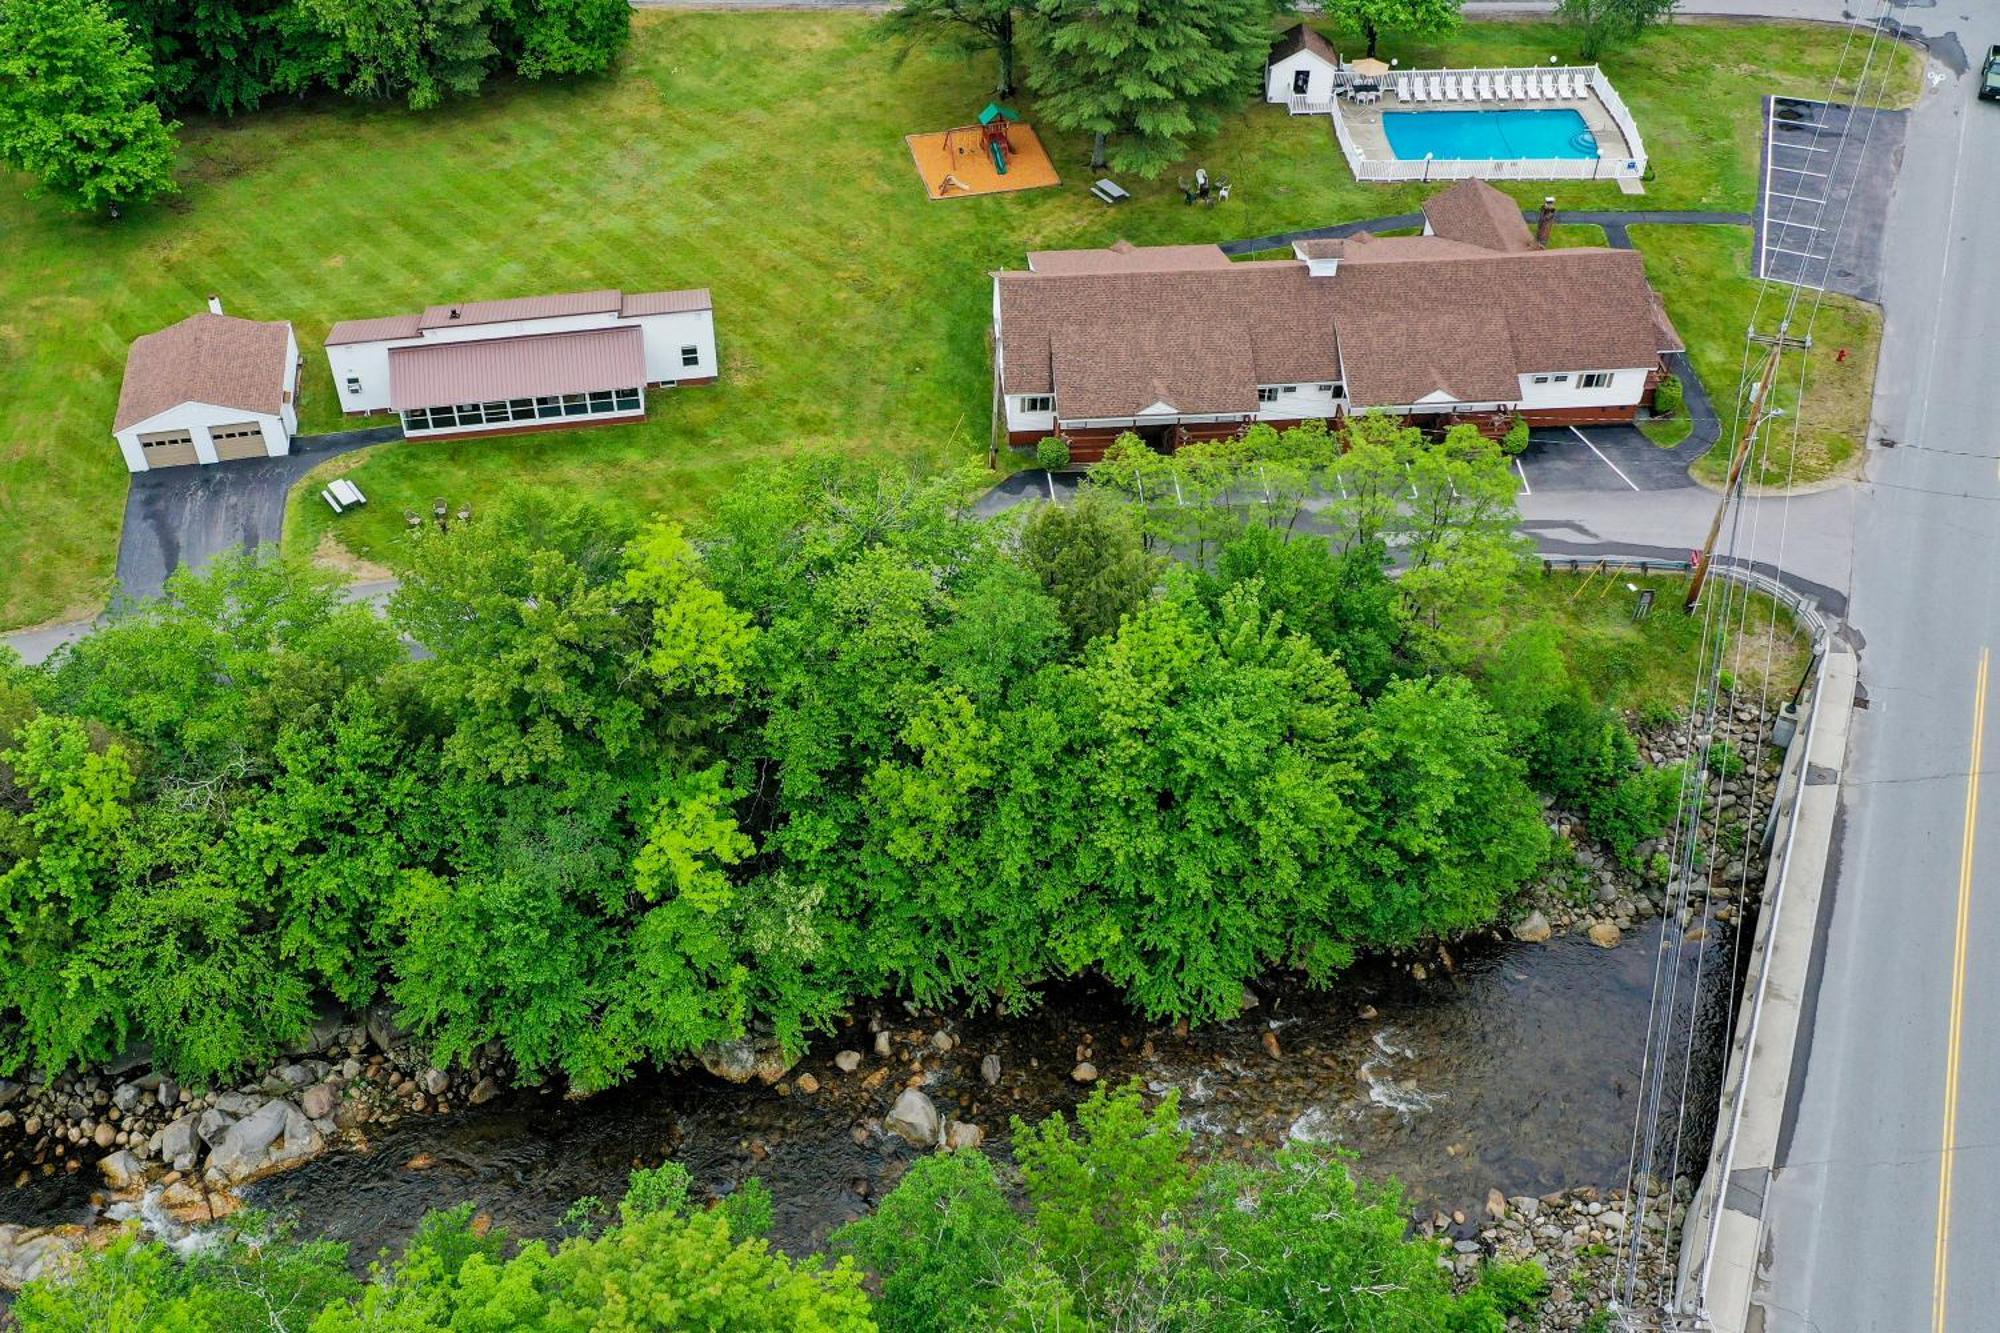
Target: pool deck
{"x": 1364, "y": 121}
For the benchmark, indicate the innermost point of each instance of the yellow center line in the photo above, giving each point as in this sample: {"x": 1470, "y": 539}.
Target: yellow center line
{"x": 1940, "y": 1276}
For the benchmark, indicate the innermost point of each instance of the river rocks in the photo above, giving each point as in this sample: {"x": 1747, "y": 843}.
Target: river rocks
{"x": 883, "y": 1048}
{"x": 10, "y": 1092}
{"x": 319, "y": 1100}
{"x": 1604, "y": 934}
{"x": 212, "y": 1124}
{"x": 385, "y": 1029}
{"x": 1533, "y": 928}
{"x": 435, "y": 1082}
{"x": 121, "y": 1170}
{"x": 942, "y": 1041}
{"x": 483, "y": 1091}
{"x": 807, "y": 1084}
{"x": 914, "y": 1118}
{"x": 105, "y": 1134}
{"x": 126, "y": 1097}
{"x": 1496, "y": 1205}
{"x": 989, "y": 1070}
{"x": 1270, "y": 1041}
{"x": 178, "y": 1143}
{"x": 847, "y": 1061}
{"x": 276, "y": 1135}
{"x": 27, "y": 1253}
{"x": 961, "y": 1137}
{"x": 1579, "y": 1238}
{"x": 1085, "y": 1072}
{"x": 741, "y": 1060}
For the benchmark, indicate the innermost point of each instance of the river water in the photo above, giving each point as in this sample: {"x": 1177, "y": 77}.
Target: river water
{"x": 1516, "y": 1069}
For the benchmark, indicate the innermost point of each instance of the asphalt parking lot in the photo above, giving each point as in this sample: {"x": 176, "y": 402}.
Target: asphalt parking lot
{"x": 1599, "y": 458}
{"x": 1824, "y": 198}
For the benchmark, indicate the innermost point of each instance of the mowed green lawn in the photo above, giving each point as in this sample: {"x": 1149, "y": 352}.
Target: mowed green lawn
{"x": 760, "y": 155}
{"x": 1703, "y": 273}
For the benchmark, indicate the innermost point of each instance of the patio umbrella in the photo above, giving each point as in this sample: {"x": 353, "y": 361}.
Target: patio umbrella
{"x": 1370, "y": 67}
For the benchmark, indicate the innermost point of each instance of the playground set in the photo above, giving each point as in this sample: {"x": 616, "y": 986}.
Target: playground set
{"x": 999, "y": 154}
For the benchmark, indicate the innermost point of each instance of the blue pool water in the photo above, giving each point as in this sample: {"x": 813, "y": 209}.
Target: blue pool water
{"x": 1449, "y": 135}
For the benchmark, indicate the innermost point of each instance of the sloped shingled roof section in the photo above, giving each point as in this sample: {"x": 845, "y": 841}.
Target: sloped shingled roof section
{"x": 1404, "y": 318}
{"x": 1477, "y": 214}
{"x": 1302, "y": 37}
{"x": 474, "y": 371}
{"x": 207, "y": 358}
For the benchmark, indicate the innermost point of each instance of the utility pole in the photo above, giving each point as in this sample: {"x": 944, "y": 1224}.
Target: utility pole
{"x": 1760, "y": 411}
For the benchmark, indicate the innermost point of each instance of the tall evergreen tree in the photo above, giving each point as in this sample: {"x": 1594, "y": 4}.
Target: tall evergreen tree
{"x": 75, "y": 108}
{"x": 1143, "y": 77}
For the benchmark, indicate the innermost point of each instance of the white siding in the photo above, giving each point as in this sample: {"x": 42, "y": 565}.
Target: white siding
{"x": 1626, "y": 387}
{"x": 1278, "y": 77}
{"x": 198, "y": 419}
{"x": 1305, "y": 400}
{"x": 1019, "y": 418}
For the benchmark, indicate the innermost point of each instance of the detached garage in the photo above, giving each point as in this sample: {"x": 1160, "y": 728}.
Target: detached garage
{"x": 210, "y": 389}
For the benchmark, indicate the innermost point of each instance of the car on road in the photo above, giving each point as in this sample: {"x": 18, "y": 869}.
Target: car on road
{"x": 1989, "y": 77}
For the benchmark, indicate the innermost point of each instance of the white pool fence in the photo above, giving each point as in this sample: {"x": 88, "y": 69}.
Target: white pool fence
{"x": 1589, "y": 78}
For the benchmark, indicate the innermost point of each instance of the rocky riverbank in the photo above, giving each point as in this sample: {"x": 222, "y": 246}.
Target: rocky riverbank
{"x": 1584, "y": 1240}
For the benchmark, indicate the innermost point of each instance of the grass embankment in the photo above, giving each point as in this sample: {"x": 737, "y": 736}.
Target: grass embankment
{"x": 1703, "y": 274}
{"x": 1648, "y": 667}
{"x": 851, "y": 310}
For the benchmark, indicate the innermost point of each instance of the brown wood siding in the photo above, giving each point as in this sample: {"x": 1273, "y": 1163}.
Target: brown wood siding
{"x": 1582, "y": 416}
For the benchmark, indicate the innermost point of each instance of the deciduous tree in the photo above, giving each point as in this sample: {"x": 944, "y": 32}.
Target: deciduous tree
{"x": 968, "y": 26}
{"x": 75, "y": 106}
{"x": 1417, "y": 18}
{"x": 1601, "y": 25}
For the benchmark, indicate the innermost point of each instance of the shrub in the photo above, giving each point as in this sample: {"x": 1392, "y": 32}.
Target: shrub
{"x": 1053, "y": 453}
{"x": 1516, "y": 438}
{"x": 1668, "y": 396}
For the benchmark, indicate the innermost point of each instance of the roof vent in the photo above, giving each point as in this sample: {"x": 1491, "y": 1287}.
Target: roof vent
{"x": 454, "y": 312}
{"x": 214, "y": 305}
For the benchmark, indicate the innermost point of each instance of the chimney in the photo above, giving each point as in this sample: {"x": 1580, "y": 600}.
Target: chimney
{"x": 214, "y": 305}
{"x": 454, "y": 312}
{"x": 1546, "y": 224}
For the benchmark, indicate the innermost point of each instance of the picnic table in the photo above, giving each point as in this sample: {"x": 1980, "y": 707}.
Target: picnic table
{"x": 1110, "y": 191}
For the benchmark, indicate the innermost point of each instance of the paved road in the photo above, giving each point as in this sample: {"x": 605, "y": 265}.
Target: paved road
{"x": 1908, "y": 996}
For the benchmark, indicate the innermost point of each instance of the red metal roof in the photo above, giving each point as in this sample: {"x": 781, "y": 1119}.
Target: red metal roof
{"x": 442, "y": 374}
{"x": 526, "y": 307}
{"x": 665, "y": 303}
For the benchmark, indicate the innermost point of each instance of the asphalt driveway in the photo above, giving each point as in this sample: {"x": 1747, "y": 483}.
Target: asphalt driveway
{"x": 187, "y": 515}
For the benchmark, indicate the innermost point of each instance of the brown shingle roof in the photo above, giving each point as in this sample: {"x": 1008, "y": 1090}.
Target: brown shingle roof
{"x": 665, "y": 303}
{"x": 1477, "y": 214}
{"x": 1125, "y": 257}
{"x": 440, "y": 374}
{"x": 1332, "y": 248}
{"x": 207, "y": 358}
{"x": 1408, "y": 317}
{"x": 373, "y": 330}
{"x": 1110, "y": 344}
{"x": 523, "y": 307}
{"x": 1301, "y": 37}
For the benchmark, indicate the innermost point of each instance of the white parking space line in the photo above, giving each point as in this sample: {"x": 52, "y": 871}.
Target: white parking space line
{"x": 1800, "y": 226}
{"x": 1601, "y": 458}
{"x": 1781, "y": 250}
{"x": 1804, "y": 148}
{"x": 1781, "y": 194}
{"x": 1526, "y": 489}
{"x": 1800, "y": 171}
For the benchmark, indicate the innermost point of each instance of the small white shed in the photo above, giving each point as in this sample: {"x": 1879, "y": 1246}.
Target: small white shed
{"x": 1302, "y": 66}
{"x": 209, "y": 389}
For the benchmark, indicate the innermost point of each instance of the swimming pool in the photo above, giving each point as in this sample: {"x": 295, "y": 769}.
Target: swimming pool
{"x": 1458, "y": 135}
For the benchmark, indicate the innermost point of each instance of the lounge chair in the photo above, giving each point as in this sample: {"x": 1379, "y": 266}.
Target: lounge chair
{"x": 1466, "y": 90}
{"x": 1437, "y": 88}
{"x": 1582, "y": 85}
{"x": 1485, "y": 88}
{"x": 1402, "y": 90}
{"x": 1562, "y": 86}
{"x": 1535, "y": 90}
{"x": 1451, "y": 88}
{"x": 1520, "y": 87}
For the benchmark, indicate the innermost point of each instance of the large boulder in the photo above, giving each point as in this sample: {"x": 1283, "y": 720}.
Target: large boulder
{"x": 177, "y": 1141}
{"x": 914, "y": 1118}
{"x": 1533, "y": 928}
{"x": 121, "y": 1170}
{"x": 27, "y": 1253}
{"x": 385, "y": 1028}
{"x": 212, "y": 1124}
{"x": 277, "y": 1135}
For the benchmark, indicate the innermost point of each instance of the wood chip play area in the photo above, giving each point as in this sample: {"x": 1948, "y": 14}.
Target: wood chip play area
{"x": 995, "y": 156}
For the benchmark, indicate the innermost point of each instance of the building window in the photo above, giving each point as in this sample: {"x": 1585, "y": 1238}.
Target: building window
{"x": 690, "y": 355}
{"x": 1038, "y": 402}
{"x": 1541, "y": 379}
{"x": 1301, "y": 82}
{"x": 628, "y": 400}
{"x": 1594, "y": 379}
{"x": 1271, "y": 393}
{"x": 1560, "y": 379}
{"x": 172, "y": 439}
{"x": 354, "y": 384}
